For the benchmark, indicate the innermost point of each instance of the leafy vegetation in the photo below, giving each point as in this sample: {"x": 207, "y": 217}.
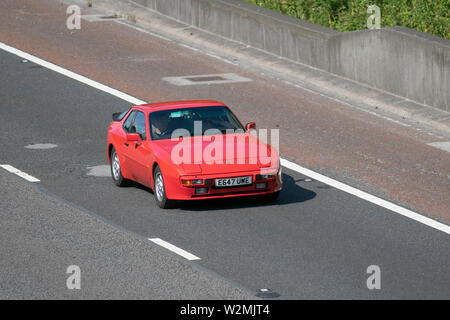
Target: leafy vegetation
{"x": 431, "y": 16}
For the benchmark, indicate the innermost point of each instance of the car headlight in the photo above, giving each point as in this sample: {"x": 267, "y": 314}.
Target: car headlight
{"x": 191, "y": 182}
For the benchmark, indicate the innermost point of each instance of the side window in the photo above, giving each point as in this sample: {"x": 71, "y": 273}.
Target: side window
{"x": 138, "y": 125}
{"x": 129, "y": 121}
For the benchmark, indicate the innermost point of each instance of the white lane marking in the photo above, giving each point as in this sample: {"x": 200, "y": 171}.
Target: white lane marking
{"x": 171, "y": 247}
{"x": 441, "y": 145}
{"x": 70, "y": 74}
{"x": 290, "y": 165}
{"x": 366, "y": 196}
{"x": 203, "y": 79}
{"x": 19, "y": 173}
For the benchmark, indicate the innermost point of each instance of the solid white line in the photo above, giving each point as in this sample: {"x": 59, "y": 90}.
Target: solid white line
{"x": 366, "y": 196}
{"x": 19, "y": 173}
{"x": 290, "y": 165}
{"x": 175, "y": 249}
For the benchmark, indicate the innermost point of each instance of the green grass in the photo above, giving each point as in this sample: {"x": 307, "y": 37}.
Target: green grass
{"x": 431, "y": 16}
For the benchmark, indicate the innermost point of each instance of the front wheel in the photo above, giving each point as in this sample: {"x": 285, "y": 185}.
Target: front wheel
{"x": 159, "y": 190}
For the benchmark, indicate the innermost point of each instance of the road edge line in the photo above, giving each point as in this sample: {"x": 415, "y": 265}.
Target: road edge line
{"x": 366, "y": 196}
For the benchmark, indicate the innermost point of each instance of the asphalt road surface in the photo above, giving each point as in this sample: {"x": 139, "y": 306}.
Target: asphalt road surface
{"x": 316, "y": 242}
{"x": 42, "y": 237}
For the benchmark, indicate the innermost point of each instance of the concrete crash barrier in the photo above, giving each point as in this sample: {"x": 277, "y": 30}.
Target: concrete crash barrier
{"x": 399, "y": 60}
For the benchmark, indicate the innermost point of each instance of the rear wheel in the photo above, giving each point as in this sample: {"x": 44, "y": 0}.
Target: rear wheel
{"x": 159, "y": 190}
{"x": 116, "y": 172}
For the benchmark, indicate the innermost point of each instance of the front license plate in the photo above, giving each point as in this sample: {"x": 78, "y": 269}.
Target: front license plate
{"x": 231, "y": 182}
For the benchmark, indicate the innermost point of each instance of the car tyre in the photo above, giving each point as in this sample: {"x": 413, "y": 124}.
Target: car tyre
{"x": 159, "y": 190}
{"x": 116, "y": 172}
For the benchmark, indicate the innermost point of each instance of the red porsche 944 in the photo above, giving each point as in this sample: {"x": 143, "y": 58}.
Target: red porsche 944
{"x": 189, "y": 150}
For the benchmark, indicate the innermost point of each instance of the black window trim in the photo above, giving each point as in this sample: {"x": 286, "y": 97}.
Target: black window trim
{"x": 145, "y": 122}
{"x": 126, "y": 119}
{"x": 134, "y": 119}
{"x": 191, "y": 107}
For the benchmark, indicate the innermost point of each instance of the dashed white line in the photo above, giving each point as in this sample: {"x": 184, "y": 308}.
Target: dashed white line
{"x": 175, "y": 249}
{"x": 290, "y": 165}
{"x": 21, "y": 174}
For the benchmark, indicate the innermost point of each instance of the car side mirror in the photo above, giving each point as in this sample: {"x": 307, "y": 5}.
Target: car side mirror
{"x": 250, "y": 126}
{"x": 133, "y": 137}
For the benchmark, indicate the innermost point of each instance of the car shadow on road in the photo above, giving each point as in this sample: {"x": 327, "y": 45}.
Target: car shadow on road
{"x": 291, "y": 193}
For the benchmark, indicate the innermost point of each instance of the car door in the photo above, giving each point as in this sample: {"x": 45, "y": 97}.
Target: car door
{"x": 138, "y": 153}
{"x": 120, "y": 142}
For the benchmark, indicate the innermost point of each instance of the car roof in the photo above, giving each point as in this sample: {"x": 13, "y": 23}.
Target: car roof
{"x": 179, "y": 104}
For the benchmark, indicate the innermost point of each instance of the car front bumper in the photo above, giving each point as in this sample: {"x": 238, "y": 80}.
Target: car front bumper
{"x": 182, "y": 192}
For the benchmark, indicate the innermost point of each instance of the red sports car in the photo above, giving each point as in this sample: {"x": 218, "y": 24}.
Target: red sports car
{"x": 188, "y": 150}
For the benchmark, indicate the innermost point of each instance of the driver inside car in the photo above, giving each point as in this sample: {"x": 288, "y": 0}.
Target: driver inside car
{"x": 160, "y": 124}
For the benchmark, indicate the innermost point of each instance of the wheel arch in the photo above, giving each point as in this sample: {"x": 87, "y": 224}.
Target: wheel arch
{"x": 155, "y": 164}
{"x": 110, "y": 147}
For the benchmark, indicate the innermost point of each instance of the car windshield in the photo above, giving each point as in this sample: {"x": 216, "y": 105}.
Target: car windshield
{"x": 193, "y": 122}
